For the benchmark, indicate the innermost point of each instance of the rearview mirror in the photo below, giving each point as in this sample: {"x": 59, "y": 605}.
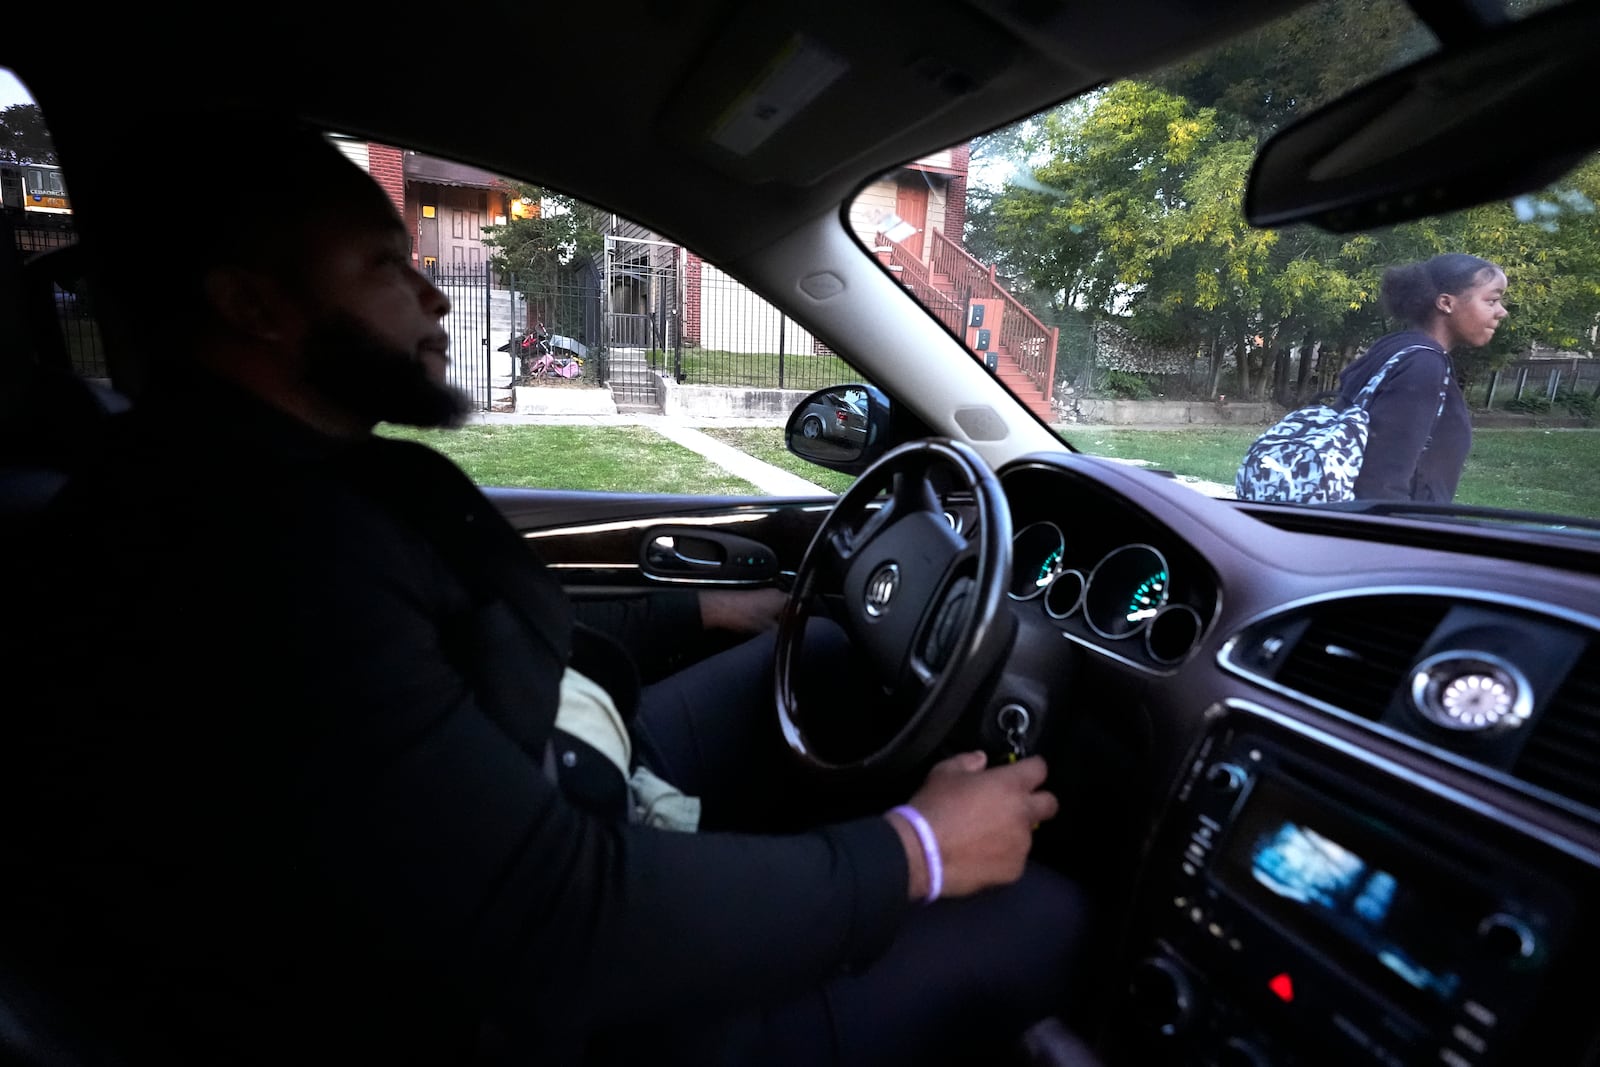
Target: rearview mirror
{"x": 1506, "y": 114}
{"x": 842, "y": 427}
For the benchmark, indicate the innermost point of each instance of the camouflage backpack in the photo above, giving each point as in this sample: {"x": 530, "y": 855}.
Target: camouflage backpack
{"x": 1313, "y": 454}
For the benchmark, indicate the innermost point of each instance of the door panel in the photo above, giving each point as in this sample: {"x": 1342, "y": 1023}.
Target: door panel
{"x": 601, "y": 541}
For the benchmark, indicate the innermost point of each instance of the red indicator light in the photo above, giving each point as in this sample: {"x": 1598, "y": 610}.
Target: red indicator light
{"x": 1283, "y": 987}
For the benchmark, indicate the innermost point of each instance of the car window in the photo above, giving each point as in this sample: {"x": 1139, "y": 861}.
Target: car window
{"x": 571, "y": 328}
{"x": 563, "y": 313}
{"x": 37, "y": 206}
{"x": 1099, "y": 263}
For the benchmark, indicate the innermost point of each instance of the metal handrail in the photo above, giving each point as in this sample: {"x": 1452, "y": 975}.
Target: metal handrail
{"x": 915, "y": 277}
{"x": 1022, "y": 336}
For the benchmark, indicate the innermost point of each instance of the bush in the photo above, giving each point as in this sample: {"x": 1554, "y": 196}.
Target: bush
{"x": 1528, "y": 405}
{"x": 1582, "y": 405}
{"x": 1125, "y": 385}
{"x": 1579, "y": 405}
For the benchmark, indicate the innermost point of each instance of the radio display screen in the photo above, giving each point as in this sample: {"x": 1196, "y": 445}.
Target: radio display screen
{"x": 1349, "y": 886}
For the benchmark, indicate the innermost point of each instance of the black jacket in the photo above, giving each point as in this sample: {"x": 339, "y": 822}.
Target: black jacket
{"x": 1413, "y": 451}
{"x": 275, "y": 789}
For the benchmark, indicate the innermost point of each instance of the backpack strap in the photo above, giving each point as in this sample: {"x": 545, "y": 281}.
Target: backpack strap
{"x": 1444, "y": 389}
{"x": 1373, "y": 382}
{"x": 1365, "y": 396}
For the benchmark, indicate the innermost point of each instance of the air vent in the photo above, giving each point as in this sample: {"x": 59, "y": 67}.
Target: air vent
{"x": 1356, "y": 653}
{"x": 1563, "y": 752}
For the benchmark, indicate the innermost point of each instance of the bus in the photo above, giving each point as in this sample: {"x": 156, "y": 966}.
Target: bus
{"x": 33, "y": 189}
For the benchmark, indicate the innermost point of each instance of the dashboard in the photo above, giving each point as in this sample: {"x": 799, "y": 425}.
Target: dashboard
{"x": 1107, "y": 574}
{"x": 1377, "y": 766}
{"x": 1338, "y": 776}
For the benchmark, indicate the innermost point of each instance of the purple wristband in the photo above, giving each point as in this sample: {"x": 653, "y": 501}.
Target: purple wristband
{"x": 930, "y": 850}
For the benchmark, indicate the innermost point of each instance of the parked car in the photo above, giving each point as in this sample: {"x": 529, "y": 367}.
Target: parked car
{"x": 1331, "y": 774}
{"x": 832, "y": 415}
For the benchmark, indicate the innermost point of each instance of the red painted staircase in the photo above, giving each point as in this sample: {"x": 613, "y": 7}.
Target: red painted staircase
{"x": 1001, "y": 332}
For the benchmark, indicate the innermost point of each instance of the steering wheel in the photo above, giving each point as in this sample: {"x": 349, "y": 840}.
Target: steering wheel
{"x": 921, "y": 600}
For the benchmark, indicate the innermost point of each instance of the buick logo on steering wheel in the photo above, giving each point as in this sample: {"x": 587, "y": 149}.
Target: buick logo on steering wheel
{"x": 881, "y": 589}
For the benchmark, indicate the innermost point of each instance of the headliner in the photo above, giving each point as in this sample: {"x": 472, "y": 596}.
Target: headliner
{"x": 658, "y": 120}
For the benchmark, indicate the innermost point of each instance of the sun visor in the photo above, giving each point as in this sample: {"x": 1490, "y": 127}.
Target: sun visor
{"x": 772, "y": 94}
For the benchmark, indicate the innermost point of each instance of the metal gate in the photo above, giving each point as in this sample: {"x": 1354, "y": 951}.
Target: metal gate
{"x": 560, "y": 308}
{"x": 475, "y": 368}
{"x": 625, "y": 322}
{"x": 643, "y": 305}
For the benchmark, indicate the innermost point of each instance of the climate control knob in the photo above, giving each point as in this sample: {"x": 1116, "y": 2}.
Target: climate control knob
{"x": 1508, "y": 938}
{"x": 1162, "y": 997}
{"x": 1225, "y": 777}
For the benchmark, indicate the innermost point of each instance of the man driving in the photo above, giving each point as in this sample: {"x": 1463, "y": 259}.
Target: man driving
{"x": 327, "y": 771}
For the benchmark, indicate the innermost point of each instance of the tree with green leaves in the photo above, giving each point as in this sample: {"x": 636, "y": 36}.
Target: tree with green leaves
{"x": 563, "y": 234}
{"x": 24, "y": 138}
{"x": 1261, "y": 80}
{"x": 1126, "y": 204}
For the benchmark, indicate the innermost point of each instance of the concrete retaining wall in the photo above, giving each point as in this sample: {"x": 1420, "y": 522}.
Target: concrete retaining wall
{"x": 732, "y": 402}
{"x": 715, "y": 401}
{"x": 1176, "y": 413}
{"x": 563, "y": 400}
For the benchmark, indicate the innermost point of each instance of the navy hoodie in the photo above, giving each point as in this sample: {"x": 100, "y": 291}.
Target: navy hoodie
{"x": 1414, "y": 451}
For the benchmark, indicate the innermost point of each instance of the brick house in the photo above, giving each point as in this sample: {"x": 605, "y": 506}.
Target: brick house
{"x": 444, "y": 205}
{"x": 912, "y": 218}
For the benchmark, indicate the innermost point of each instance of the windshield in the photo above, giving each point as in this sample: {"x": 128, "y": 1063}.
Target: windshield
{"x": 1096, "y": 258}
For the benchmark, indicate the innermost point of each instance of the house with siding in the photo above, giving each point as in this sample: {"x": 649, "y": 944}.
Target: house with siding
{"x": 659, "y": 295}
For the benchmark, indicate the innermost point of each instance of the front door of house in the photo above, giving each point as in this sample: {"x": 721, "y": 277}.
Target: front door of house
{"x": 911, "y": 204}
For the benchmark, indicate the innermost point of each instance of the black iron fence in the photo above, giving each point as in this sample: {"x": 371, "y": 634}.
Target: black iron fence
{"x": 557, "y": 314}
{"x": 472, "y": 335}
{"x": 35, "y": 236}
{"x": 734, "y": 337}
{"x": 719, "y": 333}
{"x": 516, "y": 329}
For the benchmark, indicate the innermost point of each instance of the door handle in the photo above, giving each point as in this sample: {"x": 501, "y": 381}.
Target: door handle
{"x": 665, "y": 549}
{"x": 678, "y": 553}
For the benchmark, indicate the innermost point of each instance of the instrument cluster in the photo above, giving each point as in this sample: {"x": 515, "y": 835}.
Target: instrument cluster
{"x": 1106, "y": 575}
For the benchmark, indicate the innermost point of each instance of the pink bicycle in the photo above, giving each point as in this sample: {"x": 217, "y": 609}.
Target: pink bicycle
{"x": 538, "y": 359}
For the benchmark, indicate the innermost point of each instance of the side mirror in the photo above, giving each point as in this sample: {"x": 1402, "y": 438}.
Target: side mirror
{"x": 842, "y": 427}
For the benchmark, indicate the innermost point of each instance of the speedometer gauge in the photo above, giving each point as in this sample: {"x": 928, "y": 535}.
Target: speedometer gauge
{"x": 1125, "y": 591}
{"x": 1036, "y": 555}
{"x": 1147, "y": 598}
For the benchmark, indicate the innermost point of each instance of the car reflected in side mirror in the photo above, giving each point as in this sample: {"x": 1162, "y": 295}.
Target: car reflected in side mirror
{"x": 842, "y": 427}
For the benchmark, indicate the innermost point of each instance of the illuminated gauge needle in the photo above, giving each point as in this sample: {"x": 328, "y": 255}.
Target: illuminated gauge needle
{"x": 1148, "y": 598}
{"x": 1047, "y": 569}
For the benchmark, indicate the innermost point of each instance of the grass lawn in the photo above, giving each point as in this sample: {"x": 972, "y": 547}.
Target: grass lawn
{"x": 1555, "y": 471}
{"x": 628, "y": 459}
{"x": 759, "y": 370}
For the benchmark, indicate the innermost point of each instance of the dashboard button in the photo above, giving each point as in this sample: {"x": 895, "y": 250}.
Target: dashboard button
{"x": 1467, "y": 1039}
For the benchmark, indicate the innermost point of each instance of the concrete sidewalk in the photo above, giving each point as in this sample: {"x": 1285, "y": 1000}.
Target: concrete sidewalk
{"x": 681, "y": 430}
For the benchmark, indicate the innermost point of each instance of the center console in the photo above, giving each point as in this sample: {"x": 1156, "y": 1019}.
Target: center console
{"x": 1307, "y": 904}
